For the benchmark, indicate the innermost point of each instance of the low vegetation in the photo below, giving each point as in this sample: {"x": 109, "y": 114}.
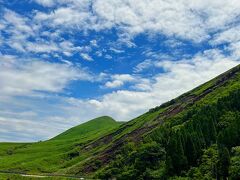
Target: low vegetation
{"x": 52, "y": 155}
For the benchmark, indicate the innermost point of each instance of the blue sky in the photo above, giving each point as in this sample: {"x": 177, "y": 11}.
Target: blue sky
{"x": 63, "y": 62}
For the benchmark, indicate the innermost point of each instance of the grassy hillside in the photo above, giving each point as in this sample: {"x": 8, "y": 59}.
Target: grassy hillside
{"x": 157, "y": 132}
{"x": 195, "y": 136}
{"x": 90, "y": 129}
{"x": 51, "y": 155}
{"x": 6, "y": 176}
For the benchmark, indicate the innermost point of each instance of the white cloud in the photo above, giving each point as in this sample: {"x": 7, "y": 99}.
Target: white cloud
{"x": 24, "y": 77}
{"x": 234, "y": 49}
{"x": 119, "y": 80}
{"x": 18, "y": 22}
{"x": 107, "y": 56}
{"x": 23, "y": 34}
{"x": 47, "y": 3}
{"x": 29, "y": 100}
{"x": 17, "y": 29}
{"x": 179, "y": 77}
{"x": 22, "y": 130}
{"x": 114, "y": 84}
{"x": 20, "y": 118}
{"x": 173, "y": 43}
{"x": 185, "y": 19}
{"x": 94, "y": 43}
{"x": 41, "y": 47}
{"x": 227, "y": 36}
{"x": 116, "y": 50}
{"x": 143, "y": 65}
{"x": 85, "y": 56}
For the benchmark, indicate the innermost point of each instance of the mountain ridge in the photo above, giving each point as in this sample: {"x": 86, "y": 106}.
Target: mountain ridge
{"x": 201, "y": 92}
{"x": 196, "y": 123}
{"x": 176, "y": 107}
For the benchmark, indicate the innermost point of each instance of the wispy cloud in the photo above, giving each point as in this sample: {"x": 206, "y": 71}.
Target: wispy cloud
{"x": 179, "y": 77}
{"x": 185, "y": 19}
{"x": 27, "y": 77}
{"x": 86, "y": 57}
{"x": 119, "y": 80}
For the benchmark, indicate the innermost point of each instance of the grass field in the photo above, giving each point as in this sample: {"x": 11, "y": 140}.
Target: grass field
{"x": 52, "y": 155}
{"x": 4, "y": 176}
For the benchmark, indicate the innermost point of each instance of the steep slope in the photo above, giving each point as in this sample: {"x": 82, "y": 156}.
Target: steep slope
{"x": 51, "y": 155}
{"x": 194, "y": 136}
{"x": 165, "y": 127}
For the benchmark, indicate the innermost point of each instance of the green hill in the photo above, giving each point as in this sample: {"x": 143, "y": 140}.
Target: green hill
{"x": 50, "y": 156}
{"x": 173, "y": 139}
{"x": 93, "y": 128}
{"x": 195, "y": 136}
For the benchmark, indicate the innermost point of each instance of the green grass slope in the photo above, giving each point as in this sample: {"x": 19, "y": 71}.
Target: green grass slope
{"x": 92, "y": 128}
{"x": 52, "y": 155}
{"x": 194, "y": 136}
{"x": 140, "y": 139}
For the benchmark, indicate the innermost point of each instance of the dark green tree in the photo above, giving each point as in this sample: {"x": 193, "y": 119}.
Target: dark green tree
{"x": 224, "y": 162}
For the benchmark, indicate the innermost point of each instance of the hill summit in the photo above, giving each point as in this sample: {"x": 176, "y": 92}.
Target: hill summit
{"x": 92, "y": 127}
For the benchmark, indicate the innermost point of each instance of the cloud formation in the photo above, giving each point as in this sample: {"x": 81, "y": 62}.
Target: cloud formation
{"x": 29, "y": 77}
{"x": 178, "y": 77}
{"x": 185, "y": 19}
{"x": 118, "y": 80}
